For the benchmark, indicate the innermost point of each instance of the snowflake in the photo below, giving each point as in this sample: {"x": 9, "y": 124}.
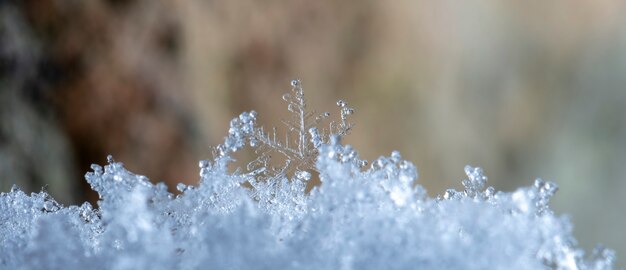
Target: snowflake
{"x": 299, "y": 148}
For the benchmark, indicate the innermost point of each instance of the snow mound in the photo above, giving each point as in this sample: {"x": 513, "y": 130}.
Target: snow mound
{"x": 261, "y": 217}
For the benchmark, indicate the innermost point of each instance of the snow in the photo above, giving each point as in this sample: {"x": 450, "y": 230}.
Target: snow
{"x": 360, "y": 217}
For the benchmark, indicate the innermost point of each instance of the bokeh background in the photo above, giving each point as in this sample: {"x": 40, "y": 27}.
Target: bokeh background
{"x": 524, "y": 89}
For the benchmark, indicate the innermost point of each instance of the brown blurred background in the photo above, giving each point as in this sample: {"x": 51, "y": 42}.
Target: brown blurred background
{"x": 524, "y": 89}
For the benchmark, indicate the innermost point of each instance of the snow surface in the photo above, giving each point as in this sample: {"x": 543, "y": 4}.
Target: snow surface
{"x": 360, "y": 217}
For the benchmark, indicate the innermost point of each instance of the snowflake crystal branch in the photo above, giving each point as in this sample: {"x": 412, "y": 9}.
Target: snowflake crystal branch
{"x": 300, "y": 146}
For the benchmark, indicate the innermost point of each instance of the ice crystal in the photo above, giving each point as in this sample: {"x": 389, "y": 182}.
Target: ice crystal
{"x": 374, "y": 218}
{"x": 298, "y": 148}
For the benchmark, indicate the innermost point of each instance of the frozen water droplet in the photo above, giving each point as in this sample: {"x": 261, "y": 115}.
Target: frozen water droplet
{"x": 404, "y": 165}
{"x": 408, "y": 172}
{"x": 546, "y": 188}
{"x": 316, "y": 140}
{"x": 203, "y": 164}
{"x": 489, "y": 192}
{"x": 286, "y": 97}
{"x": 110, "y": 159}
{"x": 14, "y": 188}
{"x": 362, "y": 163}
{"x": 539, "y": 183}
{"x": 322, "y": 116}
{"x": 350, "y": 154}
{"x": 303, "y": 175}
{"x": 160, "y": 186}
{"x": 379, "y": 163}
{"x": 341, "y": 103}
{"x": 97, "y": 169}
{"x": 181, "y": 187}
{"x": 449, "y": 194}
{"x": 50, "y": 206}
{"x": 395, "y": 156}
{"x": 253, "y": 142}
{"x": 292, "y": 108}
{"x": 295, "y": 83}
{"x": 551, "y": 187}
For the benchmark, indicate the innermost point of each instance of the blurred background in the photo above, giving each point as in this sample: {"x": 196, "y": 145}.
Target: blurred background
{"x": 524, "y": 89}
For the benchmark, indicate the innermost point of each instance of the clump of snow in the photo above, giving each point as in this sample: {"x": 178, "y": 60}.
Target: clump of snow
{"x": 360, "y": 217}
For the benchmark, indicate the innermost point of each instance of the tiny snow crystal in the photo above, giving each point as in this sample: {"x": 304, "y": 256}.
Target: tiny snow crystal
{"x": 262, "y": 217}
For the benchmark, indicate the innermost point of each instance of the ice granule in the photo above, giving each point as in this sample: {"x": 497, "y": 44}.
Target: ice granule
{"x": 374, "y": 217}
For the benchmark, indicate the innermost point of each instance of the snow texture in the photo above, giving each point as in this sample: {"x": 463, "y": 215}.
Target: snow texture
{"x": 261, "y": 217}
